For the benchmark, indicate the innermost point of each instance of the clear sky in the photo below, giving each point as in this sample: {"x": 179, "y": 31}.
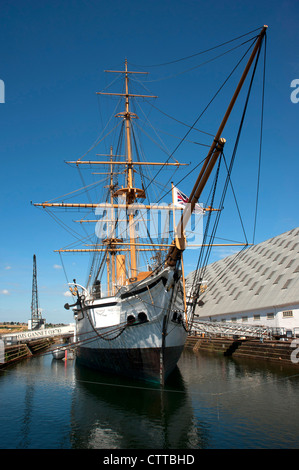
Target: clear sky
{"x": 53, "y": 54}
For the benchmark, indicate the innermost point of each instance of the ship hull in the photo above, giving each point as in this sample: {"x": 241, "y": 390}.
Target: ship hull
{"x": 114, "y": 337}
{"x": 149, "y": 364}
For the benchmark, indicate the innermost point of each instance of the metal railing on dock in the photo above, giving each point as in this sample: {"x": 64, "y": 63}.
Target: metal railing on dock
{"x": 229, "y": 329}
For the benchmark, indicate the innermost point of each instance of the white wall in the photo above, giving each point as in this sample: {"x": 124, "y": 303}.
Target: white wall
{"x": 278, "y": 320}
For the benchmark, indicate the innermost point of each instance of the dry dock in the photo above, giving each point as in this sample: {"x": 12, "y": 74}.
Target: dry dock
{"x": 269, "y": 350}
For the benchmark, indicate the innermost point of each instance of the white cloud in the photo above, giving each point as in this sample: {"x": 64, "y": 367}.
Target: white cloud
{"x": 7, "y": 268}
{"x": 67, "y": 294}
{"x": 4, "y": 292}
{"x": 57, "y": 266}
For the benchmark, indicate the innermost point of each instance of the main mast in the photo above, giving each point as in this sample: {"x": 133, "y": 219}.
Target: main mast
{"x": 130, "y": 192}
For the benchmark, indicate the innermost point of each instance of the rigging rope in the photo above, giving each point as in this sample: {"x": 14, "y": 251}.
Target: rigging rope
{"x": 261, "y": 139}
{"x": 199, "y": 65}
{"x": 191, "y": 127}
{"x": 198, "y": 53}
{"x": 205, "y": 109}
{"x": 177, "y": 120}
{"x": 63, "y": 268}
{"x": 202, "y": 269}
{"x": 234, "y": 195}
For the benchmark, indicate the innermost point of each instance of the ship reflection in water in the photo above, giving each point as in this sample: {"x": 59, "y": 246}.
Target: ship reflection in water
{"x": 122, "y": 414}
{"x": 208, "y": 402}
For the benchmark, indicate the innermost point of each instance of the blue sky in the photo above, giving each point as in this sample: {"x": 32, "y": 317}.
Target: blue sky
{"x": 53, "y": 54}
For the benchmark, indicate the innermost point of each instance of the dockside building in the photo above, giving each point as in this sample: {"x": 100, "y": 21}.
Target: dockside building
{"x": 258, "y": 286}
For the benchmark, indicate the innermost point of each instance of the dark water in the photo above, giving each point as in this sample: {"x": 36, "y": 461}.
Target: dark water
{"x": 210, "y": 402}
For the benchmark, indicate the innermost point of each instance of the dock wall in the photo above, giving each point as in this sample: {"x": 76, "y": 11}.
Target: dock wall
{"x": 17, "y": 352}
{"x": 269, "y": 350}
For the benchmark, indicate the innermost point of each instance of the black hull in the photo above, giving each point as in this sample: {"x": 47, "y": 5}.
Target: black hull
{"x": 138, "y": 363}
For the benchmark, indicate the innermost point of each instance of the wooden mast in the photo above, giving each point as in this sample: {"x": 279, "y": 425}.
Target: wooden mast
{"x": 113, "y": 252}
{"x": 130, "y": 177}
{"x": 112, "y": 232}
{"x": 129, "y": 191}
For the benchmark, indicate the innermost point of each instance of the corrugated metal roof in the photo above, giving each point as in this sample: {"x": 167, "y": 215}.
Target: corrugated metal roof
{"x": 262, "y": 276}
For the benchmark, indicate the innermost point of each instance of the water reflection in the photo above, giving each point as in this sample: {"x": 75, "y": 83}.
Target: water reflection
{"x": 108, "y": 412}
{"x": 23, "y": 442}
{"x": 63, "y": 371}
{"x": 249, "y": 403}
{"x": 210, "y": 401}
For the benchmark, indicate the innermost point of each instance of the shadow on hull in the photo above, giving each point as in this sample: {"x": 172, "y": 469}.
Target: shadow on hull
{"x": 147, "y": 364}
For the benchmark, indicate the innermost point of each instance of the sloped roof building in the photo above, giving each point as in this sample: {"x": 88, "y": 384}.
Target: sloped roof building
{"x": 258, "y": 285}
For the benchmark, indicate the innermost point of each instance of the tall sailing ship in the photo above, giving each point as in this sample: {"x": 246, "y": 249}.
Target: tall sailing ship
{"x": 139, "y": 325}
